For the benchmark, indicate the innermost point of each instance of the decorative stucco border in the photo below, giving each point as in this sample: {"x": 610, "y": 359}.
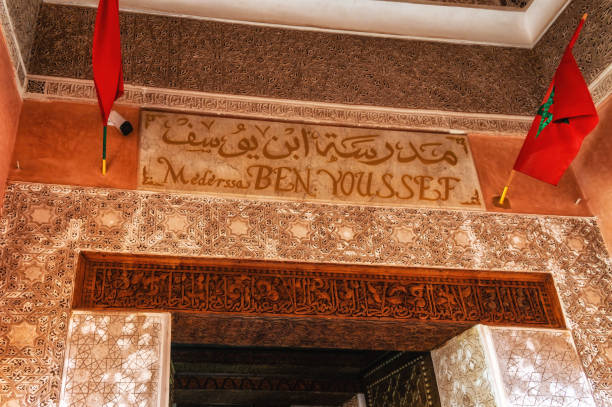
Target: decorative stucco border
{"x": 290, "y": 110}
{"x": 601, "y": 87}
{"x": 13, "y": 47}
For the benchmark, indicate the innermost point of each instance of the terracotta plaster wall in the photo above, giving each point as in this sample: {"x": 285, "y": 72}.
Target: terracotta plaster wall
{"x": 494, "y": 156}
{"x": 61, "y": 142}
{"x": 10, "y": 107}
{"x": 593, "y": 168}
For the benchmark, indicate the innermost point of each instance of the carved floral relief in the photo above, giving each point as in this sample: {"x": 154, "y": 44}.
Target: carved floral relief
{"x": 463, "y": 372}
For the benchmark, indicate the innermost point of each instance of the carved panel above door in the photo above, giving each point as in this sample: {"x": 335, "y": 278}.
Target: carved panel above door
{"x": 307, "y": 290}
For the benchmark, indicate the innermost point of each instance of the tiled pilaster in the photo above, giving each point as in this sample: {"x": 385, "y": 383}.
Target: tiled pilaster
{"x": 511, "y": 367}
{"x": 539, "y": 368}
{"x": 116, "y": 359}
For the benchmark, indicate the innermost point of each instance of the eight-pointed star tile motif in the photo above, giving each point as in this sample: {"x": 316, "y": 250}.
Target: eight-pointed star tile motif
{"x": 238, "y": 226}
{"x": 23, "y": 334}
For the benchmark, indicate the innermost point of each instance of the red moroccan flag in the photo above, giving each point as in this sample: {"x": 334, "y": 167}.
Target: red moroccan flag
{"x": 107, "y": 71}
{"x": 567, "y": 115}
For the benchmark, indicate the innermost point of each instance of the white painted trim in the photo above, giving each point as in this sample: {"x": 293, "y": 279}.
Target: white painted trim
{"x": 165, "y": 344}
{"x": 380, "y": 18}
{"x": 539, "y": 18}
{"x": 497, "y": 382}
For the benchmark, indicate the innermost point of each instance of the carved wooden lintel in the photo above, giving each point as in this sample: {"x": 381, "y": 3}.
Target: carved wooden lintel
{"x": 284, "y": 289}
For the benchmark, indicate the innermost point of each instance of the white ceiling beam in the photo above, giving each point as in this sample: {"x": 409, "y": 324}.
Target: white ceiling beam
{"x": 382, "y": 18}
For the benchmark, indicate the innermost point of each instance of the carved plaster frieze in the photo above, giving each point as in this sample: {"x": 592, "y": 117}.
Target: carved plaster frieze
{"x": 311, "y": 112}
{"x": 601, "y": 87}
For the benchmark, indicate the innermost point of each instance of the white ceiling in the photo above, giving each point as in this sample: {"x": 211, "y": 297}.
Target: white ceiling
{"x": 434, "y": 22}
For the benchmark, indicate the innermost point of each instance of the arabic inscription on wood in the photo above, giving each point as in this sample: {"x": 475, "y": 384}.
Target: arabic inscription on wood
{"x": 315, "y": 290}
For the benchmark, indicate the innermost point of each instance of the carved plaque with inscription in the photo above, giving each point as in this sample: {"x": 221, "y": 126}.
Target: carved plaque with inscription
{"x": 240, "y": 157}
{"x": 227, "y": 286}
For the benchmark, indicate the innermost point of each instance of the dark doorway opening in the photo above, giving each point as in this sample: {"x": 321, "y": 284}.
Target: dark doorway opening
{"x": 215, "y": 376}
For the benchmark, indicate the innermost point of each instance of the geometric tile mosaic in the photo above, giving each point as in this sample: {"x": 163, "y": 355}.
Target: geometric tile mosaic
{"x": 540, "y": 368}
{"x": 44, "y": 228}
{"x": 115, "y": 359}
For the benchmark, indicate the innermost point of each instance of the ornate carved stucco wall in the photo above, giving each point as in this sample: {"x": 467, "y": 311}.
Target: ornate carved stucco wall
{"x": 499, "y": 367}
{"x": 593, "y": 50}
{"x": 208, "y": 56}
{"x": 24, "y": 14}
{"x": 18, "y": 19}
{"x": 464, "y": 373}
{"x": 45, "y": 226}
{"x": 115, "y": 358}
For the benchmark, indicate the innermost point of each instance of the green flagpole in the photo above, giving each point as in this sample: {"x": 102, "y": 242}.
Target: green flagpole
{"x": 104, "y": 152}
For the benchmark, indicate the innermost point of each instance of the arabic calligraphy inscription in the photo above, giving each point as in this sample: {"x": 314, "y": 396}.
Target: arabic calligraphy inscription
{"x": 310, "y": 162}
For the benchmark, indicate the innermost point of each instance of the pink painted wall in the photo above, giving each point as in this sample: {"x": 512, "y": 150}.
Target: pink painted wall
{"x": 593, "y": 169}
{"x": 61, "y": 143}
{"x": 494, "y": 156}
{"x": 10, "y": 108}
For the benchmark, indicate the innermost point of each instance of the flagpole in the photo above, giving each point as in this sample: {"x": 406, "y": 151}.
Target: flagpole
{"x": 104, "y": 151}
{"x": 502, "y": 198}
{"x": 577, "y": 31}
